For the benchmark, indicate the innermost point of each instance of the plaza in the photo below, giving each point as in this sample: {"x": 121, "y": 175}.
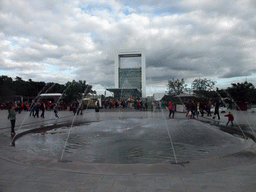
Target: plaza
{"x": 232, "y": 170}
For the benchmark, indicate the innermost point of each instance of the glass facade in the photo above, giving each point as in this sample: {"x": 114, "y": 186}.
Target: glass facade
{"x": 130, "y": 78}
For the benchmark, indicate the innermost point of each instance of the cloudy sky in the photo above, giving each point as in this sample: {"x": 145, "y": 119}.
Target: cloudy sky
{"x": 61, "y": 40}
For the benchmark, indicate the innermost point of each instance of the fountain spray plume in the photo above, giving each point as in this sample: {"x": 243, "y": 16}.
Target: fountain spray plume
{"x": 176, "y": 162}
{"x": 170, "y": 137}
{"x": 59, "y": 100}
{"x": 65, "y": 144}
{"x": 31, "y": 108}
{"x": 86, "y": 109}
{"x": 240, "y": 111}
{"x": 235, "y": 119}
{"x": 82, "y": 97}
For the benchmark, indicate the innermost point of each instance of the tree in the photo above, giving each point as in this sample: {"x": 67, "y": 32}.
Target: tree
{"x": 6, "y": 88}
{"x": 75, "y": 91}
{"x": 203, "y": 88}
{"x": 242, "y": 92}
{"x": 203, "y": 84}
{"x": 176, "y": 87}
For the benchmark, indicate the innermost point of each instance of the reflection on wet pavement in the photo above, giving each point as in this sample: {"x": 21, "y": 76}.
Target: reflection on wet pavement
{"x": 133, "y": 140}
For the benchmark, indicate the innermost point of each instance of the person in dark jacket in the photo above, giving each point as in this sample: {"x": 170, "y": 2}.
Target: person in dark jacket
{"x": 216, "y": 110}
{"x": 42, "y": 107}
{"x": 12, "y": 117}
{"x": 37, "y": 106}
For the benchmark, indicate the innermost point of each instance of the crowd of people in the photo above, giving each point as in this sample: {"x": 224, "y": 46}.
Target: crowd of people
{"x": 137, "y": 104}
{"x": 33, "y": 107}
{"x": 193, "y": 108}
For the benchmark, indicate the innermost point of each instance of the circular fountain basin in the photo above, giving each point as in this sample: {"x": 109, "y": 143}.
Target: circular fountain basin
{"x": 131, "y": 140}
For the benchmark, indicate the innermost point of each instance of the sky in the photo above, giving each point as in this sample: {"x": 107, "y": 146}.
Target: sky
{"x": 64, "y": 40}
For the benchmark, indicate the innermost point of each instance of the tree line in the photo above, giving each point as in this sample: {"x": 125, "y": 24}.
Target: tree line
{"x": 71, "y": 91}
{"x": 204, "y": 89}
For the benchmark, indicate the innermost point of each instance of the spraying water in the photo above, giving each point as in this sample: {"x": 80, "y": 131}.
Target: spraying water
{"x": 31, "y": 108}
{"x": 235, "y": 119}
{"x": 170, "y": 137}
{"x": 59, "y": 101}
{"x": 71, "y": 127}
{"x": 240, "y": 112}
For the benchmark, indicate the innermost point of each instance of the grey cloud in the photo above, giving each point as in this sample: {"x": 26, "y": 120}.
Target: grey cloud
{"x": 182, "y": 39}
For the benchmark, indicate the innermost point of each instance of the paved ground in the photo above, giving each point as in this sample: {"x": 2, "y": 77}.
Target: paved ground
{"x": 26, "y": 172}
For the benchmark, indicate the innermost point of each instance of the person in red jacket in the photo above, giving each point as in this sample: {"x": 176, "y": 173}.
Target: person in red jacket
{"x": 170, "y": 109}
{"x": 230, "y": 118}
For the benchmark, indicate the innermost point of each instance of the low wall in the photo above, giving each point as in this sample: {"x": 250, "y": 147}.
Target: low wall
{"x": 180, "y": 108}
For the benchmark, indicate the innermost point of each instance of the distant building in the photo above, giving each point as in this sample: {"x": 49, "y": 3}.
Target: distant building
{"x": 130, "y": 79}
{"x": 53, "y": 97}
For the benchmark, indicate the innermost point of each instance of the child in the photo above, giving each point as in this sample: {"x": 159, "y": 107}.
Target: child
{"x": 12, "y": 117}
{"x": 230, "y": 118}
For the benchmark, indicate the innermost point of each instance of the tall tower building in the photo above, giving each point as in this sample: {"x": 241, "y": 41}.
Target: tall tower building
{"x": 131, "y": 75}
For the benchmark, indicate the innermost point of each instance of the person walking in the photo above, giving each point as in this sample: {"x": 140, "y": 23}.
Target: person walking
{"x": 55, "y": 110}
{"x": 170, "y": 108}
{"x": 42, "y": 107}
{"x": 146, "y": 105}
{"x": 189, "y": 108}
{"x": 37, "y": 106}
{"x": 75, "y": 107}
{"x": 216, "y": 110}
{"x": 193, "y": 109}
{"x": 32, "y": 108}
{"x": 173, "y": 110}
{"x": 81, "y": 105}
{"x": 230, "y": 118}
{"x": 97, "y": 106}
{"x": 208, "y": 108}
{"x": 12, "y": 117}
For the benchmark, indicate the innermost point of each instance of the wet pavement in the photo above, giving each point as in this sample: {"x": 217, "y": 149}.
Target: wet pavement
{"x": 133, "y": 140}
{"x": 226, "y": 163}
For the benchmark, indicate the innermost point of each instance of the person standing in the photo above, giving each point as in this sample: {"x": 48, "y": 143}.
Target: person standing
{"x": 55, "y": 109}
{"x": 146, "y": 105}
{"x": 12, "y": 117}
{"x": 81, "y": 108}
{"x": 170, "y": 108}
{"x": 97, "y": 106}
{"x": 208, "y": 108}
{"x": 42, "y": 107}
{"x": 75, "y": 107}
{"x": 32, "y": 108}
{"x": 37, "y": 106}
{"x": 216, "y": 110}
{"x": 173, "y": 110}
{"x": 193, "y": 109}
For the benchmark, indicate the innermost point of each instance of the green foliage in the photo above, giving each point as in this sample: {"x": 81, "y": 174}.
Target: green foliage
{"x": 203, "y": 89}
{"x": 242, "y": 92}
{"x": 72, "y": 90}
{"x": 176, "y": 87}
{"x": 6, "y": 88}
{"x": 203, "y": 84}
{"x": 75, "y": 91}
